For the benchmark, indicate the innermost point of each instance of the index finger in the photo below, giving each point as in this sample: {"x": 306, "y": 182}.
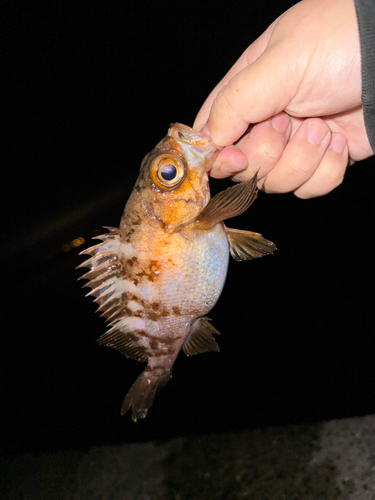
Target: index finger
{"x": 261, "y": 90}
{"x": 247, "y": 57}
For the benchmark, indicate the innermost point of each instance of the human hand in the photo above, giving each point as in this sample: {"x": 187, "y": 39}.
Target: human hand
{"x": 292, "y": 103}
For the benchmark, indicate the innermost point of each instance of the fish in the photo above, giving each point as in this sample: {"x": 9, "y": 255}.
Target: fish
{"x": 157, "y": 276}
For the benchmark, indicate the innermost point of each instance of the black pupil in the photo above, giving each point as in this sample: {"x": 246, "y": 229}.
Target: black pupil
{"x": 168, "y": 172}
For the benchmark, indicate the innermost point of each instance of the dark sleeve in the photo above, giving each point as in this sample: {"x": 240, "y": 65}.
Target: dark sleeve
{"x": 366, "y": 22}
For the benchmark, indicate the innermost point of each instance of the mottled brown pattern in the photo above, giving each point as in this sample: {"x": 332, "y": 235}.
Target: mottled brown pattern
{"x": 159, "y": 347}
{"x": 155, "y": 316}
{"x": 118, "y": 307}
{"x": 139, "y": 333}
{"x": 144, "y": 274}
{"x": 129, "y": 296}
{"x": 149, "y": 273}
{"x": 127, "y": 236}
{"x": 162, "y": 350}
{"x": 126, "y": 311}
{"x": 152, "y": 310}
{"x": 130, "y": 225}
{"x": 131, "y": 262}
{"x": 171, "y": 341}
{"x": 176, "y": 311}
{"x": 133, "y": 271}
{"x": 136, "y": 220}
{"x": 155, "y": 266}
{"x": 154, "y": 344}
{"x": 126, "y": 266}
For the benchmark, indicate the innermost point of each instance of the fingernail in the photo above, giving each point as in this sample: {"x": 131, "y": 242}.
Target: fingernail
{"x": 338, "y": 143}
{"x": 280, "y": 123}
{"x": 227, "y": 169}
{"x": 316, "y": 133}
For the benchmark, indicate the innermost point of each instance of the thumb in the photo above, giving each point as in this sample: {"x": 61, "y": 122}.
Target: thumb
{"x": 259, "y": 91}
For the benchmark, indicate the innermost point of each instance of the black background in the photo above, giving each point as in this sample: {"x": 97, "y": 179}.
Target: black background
{"x": 90, "y": 88}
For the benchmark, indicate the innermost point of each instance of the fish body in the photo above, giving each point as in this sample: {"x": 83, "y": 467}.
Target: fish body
{"x": 158, "y": 275}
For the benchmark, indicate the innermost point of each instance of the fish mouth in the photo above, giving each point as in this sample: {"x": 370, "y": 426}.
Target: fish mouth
{"x": 197, "y": 148}
{"x": 187, "y": 134}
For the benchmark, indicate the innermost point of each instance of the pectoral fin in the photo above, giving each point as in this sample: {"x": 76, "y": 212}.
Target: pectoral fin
{"x": 200, "y": 338}
{"x": 246, "y": 245}
{"x": 227, "y": 204}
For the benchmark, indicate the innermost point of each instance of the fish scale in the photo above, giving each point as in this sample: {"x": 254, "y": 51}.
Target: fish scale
{"x": 158, "y": 275}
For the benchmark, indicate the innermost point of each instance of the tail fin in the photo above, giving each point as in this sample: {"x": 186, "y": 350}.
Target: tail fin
{"x": 142, "y": 393}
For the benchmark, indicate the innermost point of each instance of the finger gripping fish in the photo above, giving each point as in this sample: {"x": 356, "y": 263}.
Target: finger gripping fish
{"x": 158, "y": 275}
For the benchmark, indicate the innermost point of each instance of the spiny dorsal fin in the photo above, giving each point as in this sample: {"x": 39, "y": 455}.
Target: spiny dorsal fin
{"x": 227, "y": 204}
{"x": 105, "y": 273}
{"x": 200, "y": 338}
{"x": 246, "y": 245}
{"x": 124, "y": 341}
{"x": 105, "y": 279}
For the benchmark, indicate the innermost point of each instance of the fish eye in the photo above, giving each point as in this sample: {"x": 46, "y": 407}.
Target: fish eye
{"x": 167, "y": 171}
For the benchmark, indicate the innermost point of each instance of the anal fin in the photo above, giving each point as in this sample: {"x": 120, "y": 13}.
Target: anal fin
{"x": 246, "y": 245}
{"x": 124, "y": 341}
{"x": 200, "y": 338}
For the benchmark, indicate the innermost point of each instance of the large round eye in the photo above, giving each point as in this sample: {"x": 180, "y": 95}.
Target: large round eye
{"x": 167, "y": 171}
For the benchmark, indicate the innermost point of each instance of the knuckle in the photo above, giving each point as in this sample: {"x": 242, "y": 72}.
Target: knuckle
{"x": 226, "y": 102}
{"x": 332, "y": 175}
{"x": 222, "y": 103}
{"x": 299, "y": 166}
{"x": 267, "y": 153}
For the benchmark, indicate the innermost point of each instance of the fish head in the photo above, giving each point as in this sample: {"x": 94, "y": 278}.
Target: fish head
{"x": 173, "y": 180}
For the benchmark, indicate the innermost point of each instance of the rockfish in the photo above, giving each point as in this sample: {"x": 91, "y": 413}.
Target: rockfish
{"x": 158, "y": 275}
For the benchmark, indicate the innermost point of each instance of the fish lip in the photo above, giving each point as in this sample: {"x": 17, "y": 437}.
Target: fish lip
{"x": 191, "y": 132}
{"x": 181, "y": 125}
{"x": 203, "y": 145}
{"x": 196, "y": 132}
